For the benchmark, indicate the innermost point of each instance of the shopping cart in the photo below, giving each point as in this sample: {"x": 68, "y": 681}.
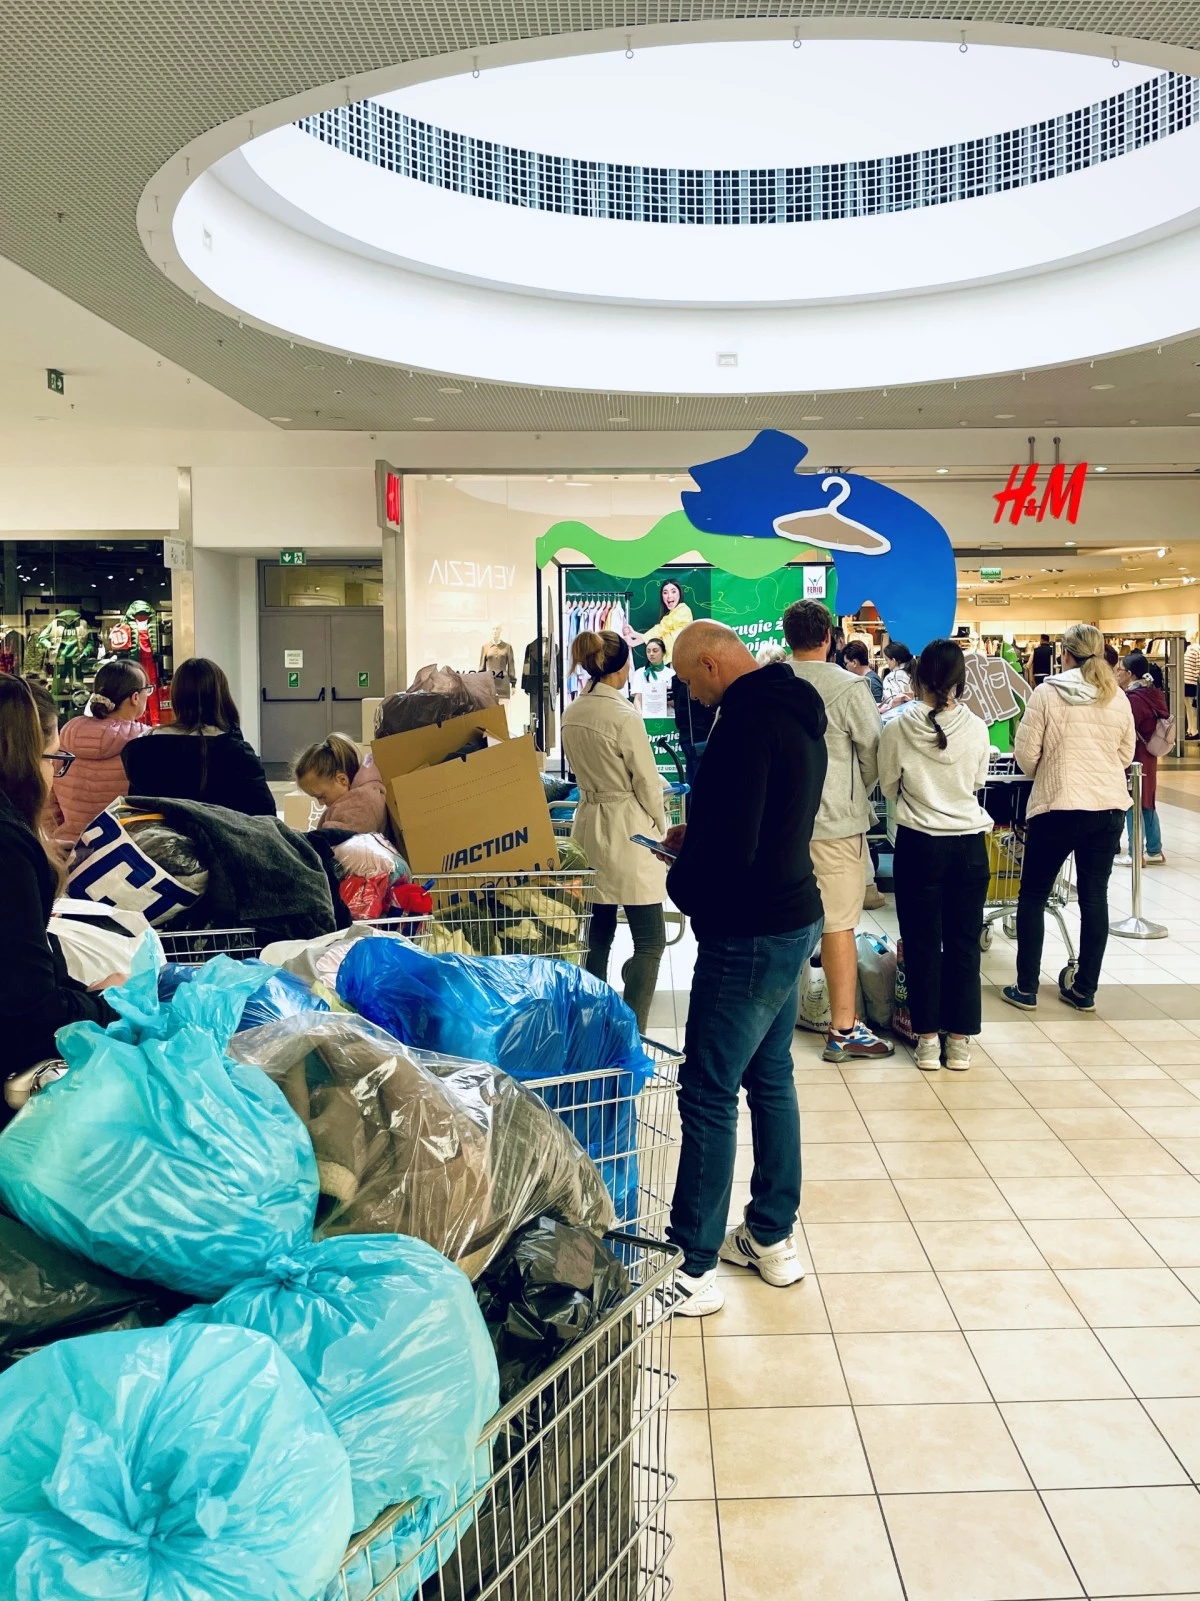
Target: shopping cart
{"x": 502, "y": 914}
{"x": 1005, "y": 798}
{"x": 562, "y": 818}
{"x": 572, "y": 1476}
{"x": 193, "y": 947}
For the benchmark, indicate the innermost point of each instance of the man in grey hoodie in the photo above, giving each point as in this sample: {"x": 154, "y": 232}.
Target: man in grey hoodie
{"x": 839, "y": 842}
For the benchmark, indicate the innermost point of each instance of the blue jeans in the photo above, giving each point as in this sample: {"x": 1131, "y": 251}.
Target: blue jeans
{"x": 1151, "y": 831}
{"x": 739, "y": 1033}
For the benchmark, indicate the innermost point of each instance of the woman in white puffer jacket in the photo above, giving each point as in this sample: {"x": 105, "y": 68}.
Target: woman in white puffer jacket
{"x": 1076, "y": 739}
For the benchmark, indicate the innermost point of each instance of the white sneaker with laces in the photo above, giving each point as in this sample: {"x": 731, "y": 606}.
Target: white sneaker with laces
{"x": 698, "y": 1297}
{"x": 1124, "y": 860}
{"x": 775, "y": 1264}
{"x": 958, "y": 1054}
{"x": 929, "y": 1053}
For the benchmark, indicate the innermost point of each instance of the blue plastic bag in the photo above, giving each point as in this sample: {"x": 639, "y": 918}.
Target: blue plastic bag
{"x": 387, "y": 1334}
{"x": 176, "y": 1464}
{"x": 532, "y": 1016}
{"x": 280, "y": 994}
{"x": 156, "y": 1156}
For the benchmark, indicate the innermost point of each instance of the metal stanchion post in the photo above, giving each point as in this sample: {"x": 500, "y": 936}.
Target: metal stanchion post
{"x": 1135, "y": 926}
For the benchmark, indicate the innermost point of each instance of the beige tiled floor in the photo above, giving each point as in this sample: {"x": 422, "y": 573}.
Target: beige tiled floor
{"x": 988, "y": 1386}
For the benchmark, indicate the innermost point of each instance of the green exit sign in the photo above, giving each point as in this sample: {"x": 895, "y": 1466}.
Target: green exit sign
{"x": 292, "y": 558}
{"x": 55, "y": 381}
{"x": 364, "y": 680}
{"x": 991, "y": 575}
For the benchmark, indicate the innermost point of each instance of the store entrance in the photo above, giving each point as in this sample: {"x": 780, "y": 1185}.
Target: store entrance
{"x": 317, "y": 662}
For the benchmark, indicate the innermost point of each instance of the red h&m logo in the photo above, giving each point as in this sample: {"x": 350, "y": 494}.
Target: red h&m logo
{"x": 1020, "y": 497}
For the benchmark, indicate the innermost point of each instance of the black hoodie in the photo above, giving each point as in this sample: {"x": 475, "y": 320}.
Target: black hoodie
{"x": 744, "y": 868}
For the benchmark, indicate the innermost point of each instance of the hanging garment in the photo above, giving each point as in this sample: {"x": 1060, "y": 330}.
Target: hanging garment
{"x": 142, "y": 621}
{"x": 496, "y": 657}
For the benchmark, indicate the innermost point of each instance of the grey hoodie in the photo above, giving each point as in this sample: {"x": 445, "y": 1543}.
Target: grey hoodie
{"x": 1073, "y": 687}
{"x": 936, "y": 791}
{"x": 852, "y": 742}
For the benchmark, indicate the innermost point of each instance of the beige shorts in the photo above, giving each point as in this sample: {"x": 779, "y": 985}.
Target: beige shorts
{"x": 838, "y": 864}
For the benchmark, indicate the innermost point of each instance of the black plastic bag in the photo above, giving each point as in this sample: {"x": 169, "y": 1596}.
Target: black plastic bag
{"x": 550, "y": 1285}
{"x": 46, "y": 1294}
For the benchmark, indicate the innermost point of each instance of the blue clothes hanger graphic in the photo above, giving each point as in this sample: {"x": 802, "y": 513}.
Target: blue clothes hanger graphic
{"x": 886, "y": 548}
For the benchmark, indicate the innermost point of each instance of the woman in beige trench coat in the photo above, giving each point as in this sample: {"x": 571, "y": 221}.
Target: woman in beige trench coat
{"x": 620, "y": 794}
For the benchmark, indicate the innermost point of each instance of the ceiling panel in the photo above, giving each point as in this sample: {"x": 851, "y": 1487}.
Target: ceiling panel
{"x": 95, "y": 97}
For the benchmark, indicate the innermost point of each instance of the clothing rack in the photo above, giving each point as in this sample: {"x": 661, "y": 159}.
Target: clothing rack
{"x": 583, "y": 600}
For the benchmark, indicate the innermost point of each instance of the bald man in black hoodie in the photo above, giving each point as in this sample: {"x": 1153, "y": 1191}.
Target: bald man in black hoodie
{"x": 744, "y": 877}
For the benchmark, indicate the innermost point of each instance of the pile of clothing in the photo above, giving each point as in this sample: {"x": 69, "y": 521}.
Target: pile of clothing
{"x": 238, "y": 1231}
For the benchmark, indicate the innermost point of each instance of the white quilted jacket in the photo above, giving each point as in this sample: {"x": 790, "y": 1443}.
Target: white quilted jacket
{"x": 1076, "y": 749}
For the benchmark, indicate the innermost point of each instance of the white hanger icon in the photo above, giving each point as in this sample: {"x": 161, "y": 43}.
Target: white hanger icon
{"x": 868, "y": 542}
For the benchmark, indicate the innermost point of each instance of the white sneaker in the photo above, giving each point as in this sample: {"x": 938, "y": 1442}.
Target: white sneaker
{"x": 958, "y": 1054}
{"x": 698, "y": 1297}
{"x": 929, "y": 1053}
{"x": 775, "y": 1264}
{"x": 1124, "y": 860}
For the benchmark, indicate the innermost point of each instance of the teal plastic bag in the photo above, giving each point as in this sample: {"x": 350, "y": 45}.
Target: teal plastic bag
{"x": 388, "y": 1336}
{"x": 175, "y": 1464}
{"x": 158, "y": 1157}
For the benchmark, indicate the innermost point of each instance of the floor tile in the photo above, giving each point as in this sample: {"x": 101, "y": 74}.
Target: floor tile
{"x": 1091, "y": 1242}
{"x": 909, "y": 1369}
{"x": 1174, "y": 1195}
{"x": 967, "y": 1247}
{"x": 1087, "y": 1029}
{"x": 1126, "y": 1064}
{"x": 1021, "y": 1056}
{"x": 1014, "y": 1159}
{"x": 1069, "y": 1445}
{"x": 798, "y": 1551}
{"x": 1091, "y": 1123}
{"x": 1147, "y": 1091}
{"x": 998, "y": 1546}
{"x": 1014, "y": 1032}
{"x": 1044, "y": 1365}
{"x": 694, "y": 1565}
{"x": 859, "y": 1161}
{"x": 886, "y": 1303}
{"x": 788, "y": 1451}
{"x": 1169, "y": 1122}
{"x": 931, "y": 1159}
{"x": 691, "y": 1456}
{"x": 754, "y": 1370}
{"x": 1131, "y": 1298}
{"x": 1074, "y": 1092}
{"x": 831, "y": 1128}
{"x": 1176, "y": 1239}
{"x": 1004, "y": 1300}
{"x": 1179, "y": 1420}
{"x": 927, "y": 1125}
{"x": 1156, "y": 1362}
{"x": 940, "y": 1448}
{"x": 687, "y": 1364}
{"x": 1009, "y": 1123}
{"x": 1028, "y": 1072}
{"x": 822, "y": 1097}
{"x": 1143, "y": 1539}
{"x": 865, "y": 1248}
{"x": 970, "y": 1095}
{"x": 1107, "y": 1158}
{"x": 1185, "y": 1152}
{"x": 851, "y": 1201}
{"x": 945, "y": 1200}
{"x": 1171, "y": 1053}
{"x": 1158, "y": 1028}
{"x": 1066, "y": 1197}
{"x": 752, "y": 1307}
{"x": 895, "y": 1097}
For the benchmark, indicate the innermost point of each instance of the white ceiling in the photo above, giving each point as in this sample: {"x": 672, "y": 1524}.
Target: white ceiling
{"x": 94, "y": 100}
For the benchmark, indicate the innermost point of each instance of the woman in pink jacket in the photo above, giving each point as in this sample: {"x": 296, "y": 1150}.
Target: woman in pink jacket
{"x": 96, "y": 777}
{"x": 347, "y": 785}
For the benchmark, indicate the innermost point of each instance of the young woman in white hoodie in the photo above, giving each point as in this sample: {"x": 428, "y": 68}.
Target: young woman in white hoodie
{"x": 933, "y": 760}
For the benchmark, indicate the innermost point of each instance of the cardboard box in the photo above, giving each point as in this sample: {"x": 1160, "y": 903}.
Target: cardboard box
{"x": 297, "y": 808}
{"x": 370, "y": 711}
{"x": 483, "y": 813}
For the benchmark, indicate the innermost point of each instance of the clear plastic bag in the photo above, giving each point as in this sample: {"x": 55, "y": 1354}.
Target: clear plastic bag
{"x": 388, "y": 1336}
{"x": 175, "y": 1464}
{"x": 450, "y": 1151}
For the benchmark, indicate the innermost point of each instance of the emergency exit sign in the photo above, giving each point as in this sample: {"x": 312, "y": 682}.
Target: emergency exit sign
{"x": 990, "y": 575}
{"x": 55, "y": 381}
{"x": 292, "y": 558}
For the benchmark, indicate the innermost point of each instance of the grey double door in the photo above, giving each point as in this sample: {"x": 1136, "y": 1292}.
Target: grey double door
{"x": 316, "y": 668}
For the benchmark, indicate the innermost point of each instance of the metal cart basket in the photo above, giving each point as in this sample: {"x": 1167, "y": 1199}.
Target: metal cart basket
{"x": 505, "y": 914}
{"x": 1005, "y": 796}
{"x": 572, "y": 1478}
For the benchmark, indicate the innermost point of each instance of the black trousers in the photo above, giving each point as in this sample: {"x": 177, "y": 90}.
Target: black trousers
{"x": 1095, "y": 838}
{"x": 941, "y": 883}
{"x": 640, "y": 973}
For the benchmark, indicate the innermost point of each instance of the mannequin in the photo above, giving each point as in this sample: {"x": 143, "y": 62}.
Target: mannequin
{"x": 496, "y": 657}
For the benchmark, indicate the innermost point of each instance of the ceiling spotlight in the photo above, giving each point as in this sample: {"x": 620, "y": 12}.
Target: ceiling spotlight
{"x": 1069, "y": 543}
{"x": 943, "y": 470}
{"x": 448, "y": 389}
{"x": 812, "y": 419}
{"x": 1162, "y": 551}
{"x": 1099, "y": 469}
{"x": 1194, "y": 413}
{"x": 618, "y": 419}
{"x": 797, "y": 41}
{"x": 1005, "y": 416}
{"x": 422, "y": 419}
{"x": 962, "y": 49}
{"x": 1104, "y": 386}
{"x": 279, "y": 419}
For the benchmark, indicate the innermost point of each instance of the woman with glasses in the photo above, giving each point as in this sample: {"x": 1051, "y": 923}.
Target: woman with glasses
{"x": 37, "y": 995}
{"x": 120, "y": 695}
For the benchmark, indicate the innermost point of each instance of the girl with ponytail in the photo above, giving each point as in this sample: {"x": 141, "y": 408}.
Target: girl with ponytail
{"x": 1076, "y": 739}
{"x": 346, "y": 782}
{"x": 97, "y": 777}
{"x": 933, "y": 760}
{"x": 620, "y": 794}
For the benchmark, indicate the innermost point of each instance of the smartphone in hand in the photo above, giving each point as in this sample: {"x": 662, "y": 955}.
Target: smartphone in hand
{"x": 655, "y": 845}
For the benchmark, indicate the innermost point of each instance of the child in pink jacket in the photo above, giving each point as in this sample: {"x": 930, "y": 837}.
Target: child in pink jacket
{"x": 346, "y": 784}
{"x": 96, "y": 777}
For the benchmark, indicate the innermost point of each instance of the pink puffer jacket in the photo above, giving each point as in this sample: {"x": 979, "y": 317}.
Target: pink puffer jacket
{"x": 1076, "y": 749}
{"x": 97, "y": 776}
{"x": 364, "y": 805}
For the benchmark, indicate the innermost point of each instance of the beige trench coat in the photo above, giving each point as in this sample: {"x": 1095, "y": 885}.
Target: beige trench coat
{"x": 620, "y": 793}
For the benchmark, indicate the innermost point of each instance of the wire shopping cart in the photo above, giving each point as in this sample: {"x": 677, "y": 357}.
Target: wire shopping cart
{"x": 1005, "y": 797}
{"x": 505, "y": 914}
{"x": 192, "y": 947}
{"x": 572, "y": 1476}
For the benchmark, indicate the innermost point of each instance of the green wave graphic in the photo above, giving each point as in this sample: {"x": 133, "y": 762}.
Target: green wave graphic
{"x": 673, "y": 536}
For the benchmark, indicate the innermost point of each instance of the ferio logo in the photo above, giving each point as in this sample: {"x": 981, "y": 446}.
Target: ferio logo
{"x": 499, "y": 845}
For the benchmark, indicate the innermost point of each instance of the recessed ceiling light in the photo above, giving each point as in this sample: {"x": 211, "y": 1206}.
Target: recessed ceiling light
{"x": 279, "y": 419}
{"x": 1049, "y": 422}
{"x": 313, "y": 366}
{"x": 577, "y": 483}
{"x": 448, "y": 389}
{"x": 943, "y": 469}
{"x": 1194, "y": 413}
{"x": 812, "y": 419}
{"x": 422, "y": 419}
{"x": 1069, "y": 543}
{"x": 1104, "y": 386}
{"x": 618, "y": 419}
{"x": 1005, "y": 416}
{"x": 1099, "y": 469}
